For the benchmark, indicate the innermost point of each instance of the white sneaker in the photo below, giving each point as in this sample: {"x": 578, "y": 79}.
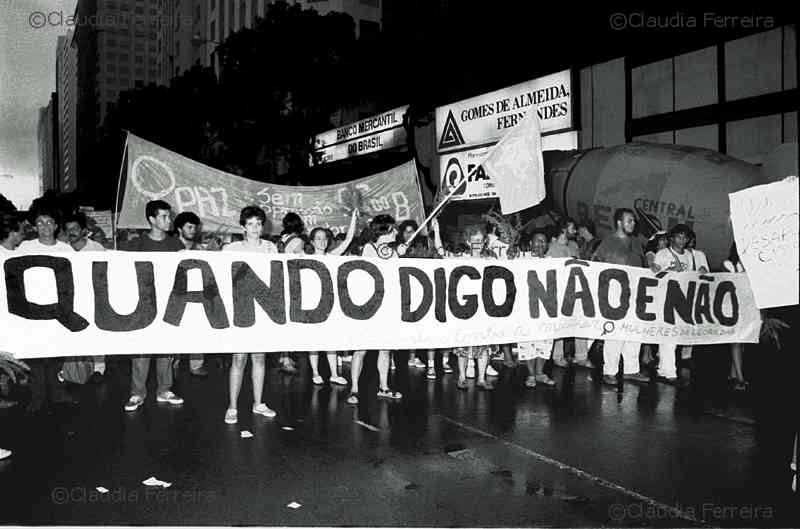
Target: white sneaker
{"x": 262, "y": 409}
{"x": 169, "y": 396}
{"x": 4, "y": 453}
{"x": 231, "y": 416}
{"x": 317, "y": 380}
{"x": 447, "y": 368}
{"x": 491, "y": 372}
{"x": 339, "y": 380}
{"x": 133, "y": 403}
{"x": 419, "y": 364}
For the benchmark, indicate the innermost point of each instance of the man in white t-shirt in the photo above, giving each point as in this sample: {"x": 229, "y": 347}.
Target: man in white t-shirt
{"x": 677, "y": 257}
{"x": 77, "y": 233}
{"x": 44, "y": 371}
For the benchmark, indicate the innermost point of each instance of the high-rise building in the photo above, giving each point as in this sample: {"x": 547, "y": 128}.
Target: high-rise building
{"x": 47, "y": 139}
{"x": 119, "y": 51}
{"x": 66, "y": 86}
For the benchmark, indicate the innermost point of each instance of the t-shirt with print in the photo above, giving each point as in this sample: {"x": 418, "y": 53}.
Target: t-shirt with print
{"x": 35, "y": 246}
{"x": 144, "y": 243}
{"x": 242, "y": 246}
{"x": 92, "y": 246}
{"x": 563, "y": 250}
{"x": 616, "y": 250}
{"x": 689, "y": 261}
{"x": 293, "y": 243}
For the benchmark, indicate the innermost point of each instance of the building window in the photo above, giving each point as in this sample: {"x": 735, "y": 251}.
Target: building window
{"x": 138, "y": 46}
{"x": 138, "y": 10}
{"x": 139, "y": 59}
{"x": 152, "y": 73}
{"x": 111, "y": 42}
{"x": 111, "y": 67}
{"x": 111, "y": 56}
{"x": 124, "y": 69}
{"x": 124, "y": 82}
{"x": 124, "y": 57}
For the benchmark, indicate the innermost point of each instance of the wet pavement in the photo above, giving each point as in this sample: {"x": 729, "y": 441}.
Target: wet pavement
{"x": 575, "y": 455}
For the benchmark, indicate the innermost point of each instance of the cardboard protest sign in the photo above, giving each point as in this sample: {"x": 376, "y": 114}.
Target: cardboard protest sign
{"x": 765, "y": 227}
{"x": 217, "y": 197}
{"x": 190, "y": 302}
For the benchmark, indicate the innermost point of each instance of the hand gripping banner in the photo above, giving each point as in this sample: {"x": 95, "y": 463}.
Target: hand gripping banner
{"x": 191, "y": 302}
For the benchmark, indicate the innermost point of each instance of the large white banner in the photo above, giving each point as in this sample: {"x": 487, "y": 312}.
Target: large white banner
{"x": 189, "y": 302}
{"x": 486, "y": 118}
{"x": 765, "y": 227}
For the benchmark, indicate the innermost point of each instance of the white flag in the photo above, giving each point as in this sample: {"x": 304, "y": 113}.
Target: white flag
{"x": 517, "y": 167}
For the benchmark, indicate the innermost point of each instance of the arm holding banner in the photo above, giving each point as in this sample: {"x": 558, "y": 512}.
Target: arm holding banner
{"x": 351, "y": 230}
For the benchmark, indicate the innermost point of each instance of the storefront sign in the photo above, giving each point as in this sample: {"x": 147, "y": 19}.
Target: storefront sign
{"x": 486, "y": 118}
{"x": 375, "y": 133}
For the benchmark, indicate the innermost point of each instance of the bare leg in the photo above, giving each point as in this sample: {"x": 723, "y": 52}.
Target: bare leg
{"x": 736, "y": 362}
{"x": 235, "y": 376}
{"x": 257, "y": 376}
{"x": 383, "y": 368}
{"x": 313, "y": 359}
{"x": 355, "y": 369}
{"x": 462, "y": 368}
{"x": 332, "y": 358}
{"x": 483, "y": 362}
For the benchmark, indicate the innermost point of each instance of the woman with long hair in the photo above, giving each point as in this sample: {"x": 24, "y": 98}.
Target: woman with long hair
{"x": 321, "y": 239}
{"x": 292, "y": 241}
{"x": 381, "y": 243}
{"x": 734, "y": 265}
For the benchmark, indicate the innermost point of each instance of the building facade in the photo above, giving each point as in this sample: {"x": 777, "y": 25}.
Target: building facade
{"x": 66, "y": 86}
{"x": 47, "y": 141}
{"x": 737, "y": 97}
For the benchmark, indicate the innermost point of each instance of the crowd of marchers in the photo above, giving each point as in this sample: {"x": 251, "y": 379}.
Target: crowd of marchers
{"x": 382, "y": 237}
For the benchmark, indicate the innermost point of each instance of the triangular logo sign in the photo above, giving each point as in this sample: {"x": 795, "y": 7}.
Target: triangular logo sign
{"x": 451, "y": 136}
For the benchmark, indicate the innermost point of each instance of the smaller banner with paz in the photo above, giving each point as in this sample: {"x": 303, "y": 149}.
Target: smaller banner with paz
{"x": 217, "y": 197}
{"x": 765, "y": 227}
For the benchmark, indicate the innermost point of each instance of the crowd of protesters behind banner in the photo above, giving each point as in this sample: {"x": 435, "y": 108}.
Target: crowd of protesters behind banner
{"x": 44, "y": 230}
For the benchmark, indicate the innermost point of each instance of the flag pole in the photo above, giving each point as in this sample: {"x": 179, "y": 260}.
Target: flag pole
{"x": 444, "y": 201}
{"x": 119, "y": 186}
